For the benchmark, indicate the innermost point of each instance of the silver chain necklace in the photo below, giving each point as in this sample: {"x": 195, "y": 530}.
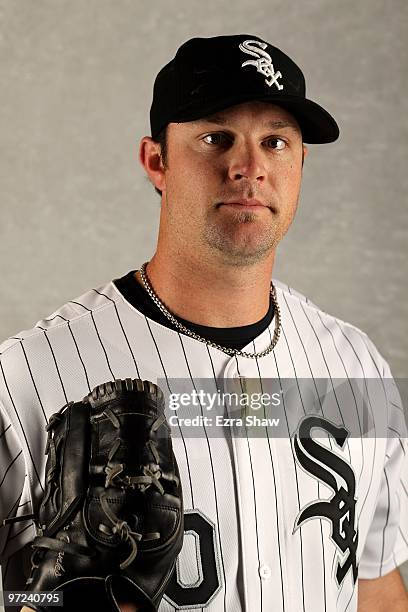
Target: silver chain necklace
{"x": 188, "y": 332}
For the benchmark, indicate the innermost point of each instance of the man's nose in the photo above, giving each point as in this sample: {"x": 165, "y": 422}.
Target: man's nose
{"x": 246, "y": 161}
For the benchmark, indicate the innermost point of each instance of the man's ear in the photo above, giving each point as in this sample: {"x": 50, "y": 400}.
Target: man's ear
{"x": 150, "y": 158}
{"x": 305, "y": 151}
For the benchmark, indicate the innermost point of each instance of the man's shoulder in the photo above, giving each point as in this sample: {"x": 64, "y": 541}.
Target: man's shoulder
{"x": 291, "y": 296}
{"x": 84, "y": 305}
{"x": 303, "y": 308}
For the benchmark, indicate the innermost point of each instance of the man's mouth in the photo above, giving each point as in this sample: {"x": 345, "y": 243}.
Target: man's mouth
{"x": 244, "y": 204}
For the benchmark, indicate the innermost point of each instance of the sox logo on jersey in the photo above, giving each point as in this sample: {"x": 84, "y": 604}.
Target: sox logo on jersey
{"x": 340, "y": 509}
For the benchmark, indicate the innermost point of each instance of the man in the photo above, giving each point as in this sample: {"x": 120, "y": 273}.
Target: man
{"x": 315, "y": 520}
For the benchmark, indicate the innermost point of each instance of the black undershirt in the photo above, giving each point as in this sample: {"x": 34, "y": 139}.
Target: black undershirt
{"x": 230, "y": 337}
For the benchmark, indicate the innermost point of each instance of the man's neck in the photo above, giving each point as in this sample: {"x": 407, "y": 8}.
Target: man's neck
{"x": 225, "y": 297}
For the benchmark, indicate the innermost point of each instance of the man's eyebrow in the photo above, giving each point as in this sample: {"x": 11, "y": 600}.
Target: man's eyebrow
{"x": 272, "y": 124}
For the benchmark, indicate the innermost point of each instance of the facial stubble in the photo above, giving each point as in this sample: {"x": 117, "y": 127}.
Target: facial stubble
{"x": 239, "y": 243}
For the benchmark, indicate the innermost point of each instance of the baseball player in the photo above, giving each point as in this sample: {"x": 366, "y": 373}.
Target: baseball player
{"x": 309, "y": 516}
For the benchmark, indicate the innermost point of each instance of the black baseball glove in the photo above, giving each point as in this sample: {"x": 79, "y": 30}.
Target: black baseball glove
{"x": 110, "y": 525}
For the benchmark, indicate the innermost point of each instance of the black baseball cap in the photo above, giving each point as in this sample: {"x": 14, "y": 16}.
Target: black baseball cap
{"x": 210, "y": 74}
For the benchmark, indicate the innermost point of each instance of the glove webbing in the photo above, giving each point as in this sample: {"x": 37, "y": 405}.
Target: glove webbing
{"x": 151, "y": 476}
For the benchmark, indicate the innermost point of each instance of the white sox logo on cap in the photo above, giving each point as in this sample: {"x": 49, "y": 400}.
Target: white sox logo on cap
{"x": 210, "y": 74}
{"x": 263, "y": 63}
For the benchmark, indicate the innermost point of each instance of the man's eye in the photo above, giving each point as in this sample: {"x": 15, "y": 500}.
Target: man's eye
{"x": 276, "y": 143}
{"x": 215, "y": 138}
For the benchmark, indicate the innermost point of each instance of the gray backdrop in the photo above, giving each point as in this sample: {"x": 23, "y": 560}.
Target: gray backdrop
{"x": 76, "y": 209}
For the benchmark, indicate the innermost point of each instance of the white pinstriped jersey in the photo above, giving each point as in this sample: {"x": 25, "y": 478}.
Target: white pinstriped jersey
{"x": 242, "y": 496}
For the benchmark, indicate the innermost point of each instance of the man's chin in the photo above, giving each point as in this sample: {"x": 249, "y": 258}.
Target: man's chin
{"x": 243, "y": 244}
{"x": 243, "y": 256}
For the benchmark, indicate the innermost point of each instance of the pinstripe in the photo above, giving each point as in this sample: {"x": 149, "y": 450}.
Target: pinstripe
{"x": 33, "y": 381}
{"x": 9, "y": 513}
{"x": 294, "y": 464}
{"x": 212, "y": 363}
{"x": 254, "y": 493}
{"x": 68, "y": 322}
{"x": 328, "y": 372}
{"x": 212, "y": 470}
{"x": 385, "y": 474}
{"x": 351, "y": 386}
{"x": 393, "y": 429}
{"x": 5, "y": 430}
{"x": 375, "y": 436}
{"x": 56, "y": 367}
{"x": 274, "y": 479}
{"x": 24, "y": 503}
{"x": 97, "y": 333}
{"x": 353, "y": 594}
{"x": 219, "y": 535}
{"x": 20, "y": 532}
{"x": 396, "y": 406}
{"x": 330, "y": 442}
{"x": 399, "y": 434}
{"x": 373, "y": 360}
{"x": 122, "y": 328}
{"x": 180, "y": 431}
{"x": 22, "y": 429}
{"x": 79, "y": 356}
{"x": 9, "y": 467}
{"x": 386, "y": 520}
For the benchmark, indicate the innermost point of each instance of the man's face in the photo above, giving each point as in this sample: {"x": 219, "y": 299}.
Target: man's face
{"x": 248, "y": 152}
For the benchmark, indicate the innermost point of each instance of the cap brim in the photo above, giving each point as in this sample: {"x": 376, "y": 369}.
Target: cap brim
{"x": 317, "y": 125}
